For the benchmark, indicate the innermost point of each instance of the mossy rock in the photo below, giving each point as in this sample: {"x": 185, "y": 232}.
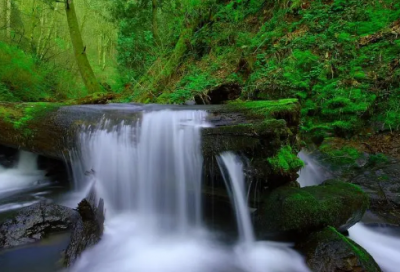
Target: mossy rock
{"x": 328, "y": 250}
{"x": 287, "y": 109}
{"x": 303, "y": 210}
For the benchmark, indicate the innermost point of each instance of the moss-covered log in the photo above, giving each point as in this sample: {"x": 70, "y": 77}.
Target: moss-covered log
{"x": 264, "y": 131}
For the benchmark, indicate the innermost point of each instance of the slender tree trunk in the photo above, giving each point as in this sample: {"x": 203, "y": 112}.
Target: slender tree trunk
{"x": 33, "y": 23}
{"x": 82, "y": 61}
{"x": 105, "y": 43}
{"x": 99, "y": 48}
{"x": 43, "y": 21}
{"x": 155, "y": 23}
{"x": 8, "y": 18}
{"x": 49, "y": 32}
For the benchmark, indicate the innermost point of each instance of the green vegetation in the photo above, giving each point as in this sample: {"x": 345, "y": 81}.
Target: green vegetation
{"x": 315, "y": 207}
{"x": 20, "y": 116}
{"x": 24, "y": 78}
{"x": 340, "y": 58}
{"x": 336, "y": 252}
{"x": 335, "y": 61}
{"x": 286, "y": 161}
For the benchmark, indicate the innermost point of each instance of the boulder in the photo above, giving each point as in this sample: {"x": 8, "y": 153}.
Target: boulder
{"x": 86, "y": 232}
{"x": 34, "y": 222}
{"x": 330, "y": 251}
{"x": 382, "y": 184}
{"x": 302, "y": 210}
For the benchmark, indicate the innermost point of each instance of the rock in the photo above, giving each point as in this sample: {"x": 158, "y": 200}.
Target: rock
{"x": 330, "y": 251}
{"x": 303, "y": 210}
{"x": 34, "y": 222}
{"x": 382, "y": 184}
{"x": 220, "y": 94}
{"x": 86, "y": 232}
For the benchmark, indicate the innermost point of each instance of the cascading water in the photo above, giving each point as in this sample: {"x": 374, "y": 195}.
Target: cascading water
{"x": 312, "y": 174}
{"x": 23, "y": 175}
{"x": 383, "y": 247}
{"x": 149, "y": 174}
{"x": 232, "y": 173}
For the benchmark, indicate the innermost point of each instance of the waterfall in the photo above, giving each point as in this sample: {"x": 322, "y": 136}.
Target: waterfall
{"x": 151, "y": 166}
{"x": 149, "y": 172}
{"x": 25, "y": 174}
{"x": 232, "y": 173}
{"x": 312, "y": 173}
{"x": 383, "y": 247}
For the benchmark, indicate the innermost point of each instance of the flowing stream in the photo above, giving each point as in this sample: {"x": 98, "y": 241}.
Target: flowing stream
{"x": 14, "y": 181}
{"x": 381, "y": 242}
{"x": 149, "y": 172}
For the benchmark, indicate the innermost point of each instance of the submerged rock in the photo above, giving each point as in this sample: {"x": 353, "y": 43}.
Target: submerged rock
{"x": 303, "y": 210}
{"x": 330, "y": 251}
{"x": 34, "y": 222}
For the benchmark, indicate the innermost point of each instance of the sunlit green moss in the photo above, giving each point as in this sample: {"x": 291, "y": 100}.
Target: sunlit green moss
{"x": 20, "y": 115}
{"x": 286, "y": 160}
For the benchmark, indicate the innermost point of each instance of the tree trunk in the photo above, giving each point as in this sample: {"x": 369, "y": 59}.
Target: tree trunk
{"x": 43, "y": 22}
{"x": 155, "y": 23}
{"x": 49, "y": 33}
{"x": 86, "y": 71}
{"x": 105, "y": 43}
{"x": 162, "y": 70}
{"x": 8, "y": 19}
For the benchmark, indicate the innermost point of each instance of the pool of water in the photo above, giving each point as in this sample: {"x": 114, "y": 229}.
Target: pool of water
{"x": 44, "y": 256}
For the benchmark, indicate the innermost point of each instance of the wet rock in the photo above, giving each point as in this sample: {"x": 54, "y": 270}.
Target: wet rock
{"x": 86, "y": 232}
{"x": 330, "y": 251}
{"x": 303, "y": 210}
{"x": 382, "y": 184}
{"x": 34, "y": 222}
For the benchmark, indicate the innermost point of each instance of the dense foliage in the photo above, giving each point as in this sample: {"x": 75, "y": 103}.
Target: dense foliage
{"x": 340, "y": 58}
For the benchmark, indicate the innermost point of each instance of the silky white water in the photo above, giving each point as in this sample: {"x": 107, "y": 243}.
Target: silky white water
{"x": 384, "y": 248}
{"x": 25, "y": 174}
{"x": 149, "y": 173}
{"x": 312, "y": 173}
{"x": 232, "y": 173}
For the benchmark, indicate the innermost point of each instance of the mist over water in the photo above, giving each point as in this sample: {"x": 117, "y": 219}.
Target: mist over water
{"x": 149, "y": 173}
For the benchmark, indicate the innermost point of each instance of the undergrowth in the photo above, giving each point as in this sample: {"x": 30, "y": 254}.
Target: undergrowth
{"x": 24, "y": 78}
{"x": 339, "y": 58}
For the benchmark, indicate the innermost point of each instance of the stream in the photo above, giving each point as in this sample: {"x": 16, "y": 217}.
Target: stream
{"x": 148, "y": 170}
{"x": 381, "y": 241}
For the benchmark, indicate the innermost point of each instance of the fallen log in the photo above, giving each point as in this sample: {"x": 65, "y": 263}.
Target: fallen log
{"x": 263, "y": 131}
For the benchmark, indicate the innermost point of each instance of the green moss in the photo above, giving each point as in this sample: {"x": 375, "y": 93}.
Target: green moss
{"x": 269, "y": 108}
{"x": 365, "y": 258}
{"x": 285, "y": 160}
{"x": 334, "y": 203}
{"x": 340, "y": 156}
{"x": 21, "y": 115}
{"x": 336, "y": 252}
